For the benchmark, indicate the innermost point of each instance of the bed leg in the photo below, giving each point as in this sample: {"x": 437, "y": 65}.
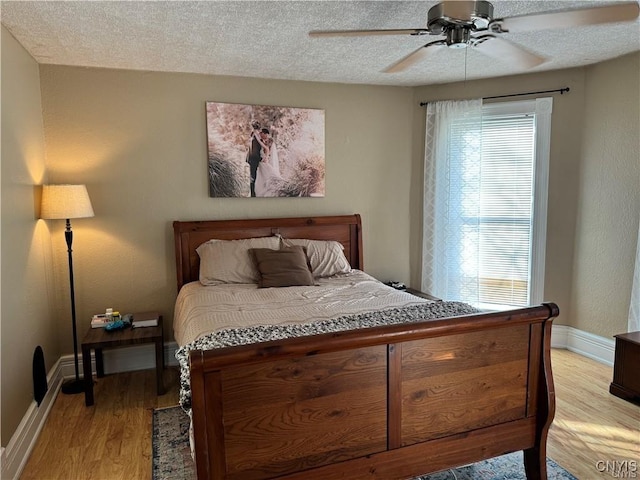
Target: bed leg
{"x": 535, "y": 464}
{"x": 535, "y": 458}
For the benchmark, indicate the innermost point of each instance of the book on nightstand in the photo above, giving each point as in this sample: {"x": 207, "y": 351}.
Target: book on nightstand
{"x": 101, "y": 321}
{"x": 145, "y": 319}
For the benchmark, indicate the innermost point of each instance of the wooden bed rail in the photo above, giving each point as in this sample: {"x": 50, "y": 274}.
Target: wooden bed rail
{"x": 387, "y": 402}
{"x": 330, "y": 342}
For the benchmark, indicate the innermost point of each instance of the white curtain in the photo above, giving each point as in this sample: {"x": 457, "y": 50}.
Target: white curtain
{"x": 634, "y": 309}
{"x": 453, "y": 135}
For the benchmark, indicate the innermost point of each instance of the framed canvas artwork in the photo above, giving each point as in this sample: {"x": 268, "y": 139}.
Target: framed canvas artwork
{"x": 265, "y": 151}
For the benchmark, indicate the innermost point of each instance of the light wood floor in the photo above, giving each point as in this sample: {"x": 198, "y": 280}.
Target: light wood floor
{"x": 590, "y": 425}
{"x": 112, "y": 439}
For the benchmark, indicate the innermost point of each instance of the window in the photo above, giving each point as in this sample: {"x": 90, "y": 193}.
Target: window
{"x": 492, "y": 201}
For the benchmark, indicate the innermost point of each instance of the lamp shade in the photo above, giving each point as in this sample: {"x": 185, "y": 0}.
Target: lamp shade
{"x": 65, "y": 201}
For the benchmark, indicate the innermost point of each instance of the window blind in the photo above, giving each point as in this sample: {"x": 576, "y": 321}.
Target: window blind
{"x": 495, "y": 195}
{"x": 506, "y": 208}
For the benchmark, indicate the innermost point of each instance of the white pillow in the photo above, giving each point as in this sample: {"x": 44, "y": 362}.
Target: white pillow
{"x": 326, "y": 257}
{"x": 229, "y": 261}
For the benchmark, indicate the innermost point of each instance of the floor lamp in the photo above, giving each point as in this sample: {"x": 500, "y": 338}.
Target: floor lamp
{"x": 67, "y": 202}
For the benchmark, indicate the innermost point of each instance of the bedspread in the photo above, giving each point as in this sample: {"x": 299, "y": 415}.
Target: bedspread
{"x": 201, "y": 310}
{"x": 264, "y": 333}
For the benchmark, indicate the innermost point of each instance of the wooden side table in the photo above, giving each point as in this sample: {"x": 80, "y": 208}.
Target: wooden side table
{"x": 99, "y": 338}
{"x": 626, "y": 373}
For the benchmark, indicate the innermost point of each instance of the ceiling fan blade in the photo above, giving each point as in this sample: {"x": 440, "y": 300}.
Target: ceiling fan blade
{"x": 415, "y": 57}
{"x": 622, "y": 12}
{"x": 361, "y": 33}
{"x": 503, "y": 50}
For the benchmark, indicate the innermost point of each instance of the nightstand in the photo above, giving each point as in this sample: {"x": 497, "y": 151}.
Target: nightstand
{"x": 99, "y": 338}
{"x": 626, "y": 376}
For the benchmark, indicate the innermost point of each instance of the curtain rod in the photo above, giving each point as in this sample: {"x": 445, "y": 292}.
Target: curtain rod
{"x": 560, "y": 90}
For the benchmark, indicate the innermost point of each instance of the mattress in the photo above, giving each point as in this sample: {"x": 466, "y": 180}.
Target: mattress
{"x": 201, "y": 309}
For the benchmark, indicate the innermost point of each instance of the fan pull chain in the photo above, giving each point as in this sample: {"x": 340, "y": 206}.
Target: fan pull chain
{"x": 466, "y": 52}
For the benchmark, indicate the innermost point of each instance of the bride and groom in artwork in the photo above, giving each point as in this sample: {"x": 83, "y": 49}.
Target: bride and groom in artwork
{"x": 264, "y": 166}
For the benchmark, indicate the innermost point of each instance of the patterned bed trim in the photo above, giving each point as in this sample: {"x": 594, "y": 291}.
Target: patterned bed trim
{"x": 264, "y": 333}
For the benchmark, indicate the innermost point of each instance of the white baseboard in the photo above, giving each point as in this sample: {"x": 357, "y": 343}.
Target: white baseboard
{"x": 142, "y": 357}
{"x": 123, "y": 359}
{"x": 586, "y": 344}
{"x": 16, "y": 454}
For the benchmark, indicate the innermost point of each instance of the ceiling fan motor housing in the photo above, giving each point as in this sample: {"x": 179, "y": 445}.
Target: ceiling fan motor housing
{"x": 471, "y": 16}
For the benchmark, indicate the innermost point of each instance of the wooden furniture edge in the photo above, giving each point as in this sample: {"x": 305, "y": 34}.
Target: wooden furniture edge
{"x": 627, "y": 351}
{"x": 387, "y": 334}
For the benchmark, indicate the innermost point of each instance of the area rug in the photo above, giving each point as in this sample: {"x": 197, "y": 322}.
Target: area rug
{"x": 172, "y": 456}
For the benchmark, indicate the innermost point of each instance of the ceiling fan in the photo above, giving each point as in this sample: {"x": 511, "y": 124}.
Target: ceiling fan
{"x": 472, "y": 24}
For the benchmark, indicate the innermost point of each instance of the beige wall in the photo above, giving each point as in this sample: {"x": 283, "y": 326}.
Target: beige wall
{"x": 27, "y": 300}
{"x": 564, "y": 163}
{"x": 138, "y": 140}
{"x": 609, "y": 198}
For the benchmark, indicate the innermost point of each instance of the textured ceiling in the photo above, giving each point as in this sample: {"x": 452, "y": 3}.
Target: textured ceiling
{"x": 269, "y": 39}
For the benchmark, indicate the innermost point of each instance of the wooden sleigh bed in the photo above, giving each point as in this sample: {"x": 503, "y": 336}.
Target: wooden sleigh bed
{"x": 389, "y": 402}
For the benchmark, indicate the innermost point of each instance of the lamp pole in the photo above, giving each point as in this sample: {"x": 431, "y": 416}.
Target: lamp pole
{"x": 72, "y": 386}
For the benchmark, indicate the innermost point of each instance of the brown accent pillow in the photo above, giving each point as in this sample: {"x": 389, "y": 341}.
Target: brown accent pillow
{"x": 286, "y": 267}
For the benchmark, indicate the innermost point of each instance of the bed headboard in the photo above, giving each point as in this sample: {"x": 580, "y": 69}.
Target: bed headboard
{"x": 346, "y": 229}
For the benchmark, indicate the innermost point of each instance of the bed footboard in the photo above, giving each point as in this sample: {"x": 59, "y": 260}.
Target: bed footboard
{"x": 389, "y": 402}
